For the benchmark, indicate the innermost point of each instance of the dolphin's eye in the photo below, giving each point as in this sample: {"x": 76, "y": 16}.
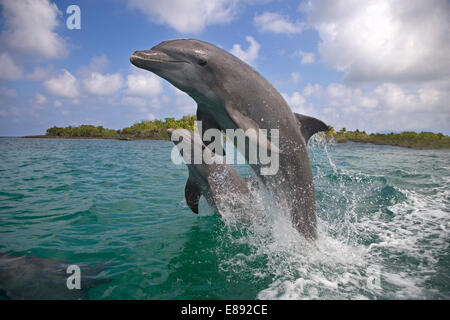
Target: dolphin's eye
{"x": 202, "y": 62}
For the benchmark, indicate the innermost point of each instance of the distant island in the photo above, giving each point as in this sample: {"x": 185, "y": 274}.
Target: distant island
{"x": 157, "y": 130}
{"x": 144, "y": 130}
{"x": 408, "y": 139}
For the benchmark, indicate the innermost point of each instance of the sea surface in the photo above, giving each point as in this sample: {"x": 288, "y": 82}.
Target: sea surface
{"x": 383, "y": 216}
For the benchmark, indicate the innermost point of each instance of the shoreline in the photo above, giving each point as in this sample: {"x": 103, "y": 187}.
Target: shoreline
{"x": 337, "y": 141}
{"x": 391, "y": 145}
{"x": 156, "y": 130}
{"x": 96, "y": 138}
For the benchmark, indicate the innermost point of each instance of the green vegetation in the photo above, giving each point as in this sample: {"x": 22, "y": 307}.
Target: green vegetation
{"x": 423, "y": 140}
{"x": 155, "y": 129}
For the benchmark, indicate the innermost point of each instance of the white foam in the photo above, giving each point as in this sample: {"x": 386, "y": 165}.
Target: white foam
{"x": 356, "y": 256}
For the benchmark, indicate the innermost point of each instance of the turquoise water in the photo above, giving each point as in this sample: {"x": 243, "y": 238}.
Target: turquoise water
{"x": 383, "y": 223}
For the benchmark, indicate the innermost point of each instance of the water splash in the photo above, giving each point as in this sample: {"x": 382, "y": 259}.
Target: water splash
{"x": 366, "y": 226}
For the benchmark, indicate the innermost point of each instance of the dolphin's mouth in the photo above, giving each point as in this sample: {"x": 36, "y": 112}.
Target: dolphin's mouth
{"x": 144, "y": 57}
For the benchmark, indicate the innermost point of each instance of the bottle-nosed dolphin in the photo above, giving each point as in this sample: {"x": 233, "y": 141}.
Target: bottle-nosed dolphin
{"x": 27, "y": 277}
{"x": 230, "y": 95}
{"x": 219, "y": 183}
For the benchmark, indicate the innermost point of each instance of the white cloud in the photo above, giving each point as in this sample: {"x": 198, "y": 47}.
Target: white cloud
{"x": 295, "y": 77}
{"x": 186, "y": 107}
{"x": 134, "y": 101}
{"x": 385, "y": 107}
{"x": 64, "y": 85}
{"x": 102, "y": 84}
{"x": 97, "y": 83}
{"x": 249, "y": 55}
{"x": 389, "y": 98}
{"x": 144, "y": 104}
{"x": 178, "y": 92}
{"x": 143, "y": 84}
{"x": 388, "y": 41}
{"x": 312, "y": 89}
{"x": 426, "y": 98}
{"x": 299, "y": 104}
{"x": 10, "y": 71}
{"x": 185, "y": 104}
{"x": 274, "y": 22}
{"x": 187, "y": 16}
{"x": 29, "y": 28}
{"x": 339, "y": 95}
{"x": 39, "y": 99}
{"x": 296, "y": 100}
{"x": 96, "y": 64}
{"x": 39, "y": 73}
{"x": 307, "y": 57}
{"x": 12, "y": 111}
{"x": 144, "y": 107}
{"x": 395, "y": 55}
{"x": 6, "y": 92}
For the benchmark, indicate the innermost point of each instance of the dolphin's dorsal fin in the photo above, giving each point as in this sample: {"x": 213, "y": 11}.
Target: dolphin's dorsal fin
{"x": 192, "y": 193}
{"x": 309, "y": 125}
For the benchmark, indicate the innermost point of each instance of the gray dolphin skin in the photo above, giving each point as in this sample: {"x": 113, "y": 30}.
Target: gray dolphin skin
{"x": 230, "y": 95}
{"x": 220, "y": 184}
{"x": 26, "y": 277}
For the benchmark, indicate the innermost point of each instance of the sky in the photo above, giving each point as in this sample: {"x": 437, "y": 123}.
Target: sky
{"x": 378, "y": 66}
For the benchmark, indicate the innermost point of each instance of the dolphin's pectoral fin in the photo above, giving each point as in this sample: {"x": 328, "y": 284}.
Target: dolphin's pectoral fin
{"x": 192, "y": 194}
{"x": 245, "y": 123}
{"x": 309, "y": 125}
{"x": 208, "y": 122}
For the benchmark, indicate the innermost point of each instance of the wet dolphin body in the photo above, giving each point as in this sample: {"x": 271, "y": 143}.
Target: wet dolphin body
{"x": 231, "y": 95}
{"x": 220, "y": 184}
{"x": 29, "y": 277}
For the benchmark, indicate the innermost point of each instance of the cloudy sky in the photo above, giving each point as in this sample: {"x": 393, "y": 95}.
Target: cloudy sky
{"x": 373, "y": 65}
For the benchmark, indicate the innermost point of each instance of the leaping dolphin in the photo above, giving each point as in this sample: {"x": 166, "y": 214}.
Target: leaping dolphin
{"x": 219, "y": 183}
{"x": 230, "y": 95}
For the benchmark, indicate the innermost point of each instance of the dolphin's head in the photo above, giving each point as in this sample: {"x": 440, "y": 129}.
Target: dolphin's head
{"x": 193, "y": 66}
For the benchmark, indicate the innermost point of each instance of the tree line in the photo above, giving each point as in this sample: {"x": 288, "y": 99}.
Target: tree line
{"x": 154, "y": 129}
{"x": 157, "y": 129}
{"x": 410, "y": 139}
